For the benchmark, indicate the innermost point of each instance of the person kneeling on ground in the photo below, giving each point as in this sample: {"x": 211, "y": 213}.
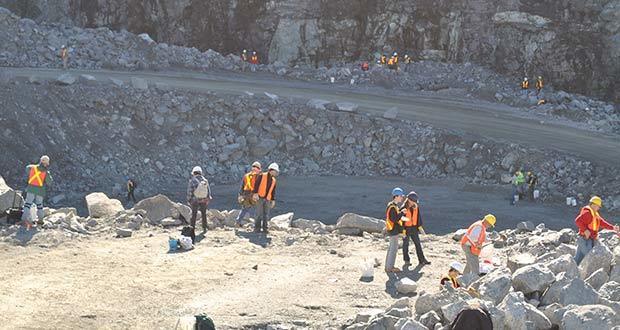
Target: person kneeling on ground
{"x": 456, "y": 269}
{"x": 590, "y": 222}
{"x": 393, "y": 225}
{"x": 412, "y": 222}
{"x": 198, "y": 196}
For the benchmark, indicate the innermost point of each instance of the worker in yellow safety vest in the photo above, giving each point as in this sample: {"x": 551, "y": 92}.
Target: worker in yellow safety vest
{"x": 39, "y": 178}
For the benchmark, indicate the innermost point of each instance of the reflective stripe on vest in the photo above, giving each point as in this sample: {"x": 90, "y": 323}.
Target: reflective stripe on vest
{"x": 262, "y": 189}
{"x": 248, "y": 182}
{"x": 595, "y": 224}
{"x": 36, "y": 177}
{"x": 412, "y": 216}
{"x": 525, "y": 85}
{"x": 455, "y": 283}
{"x": 539, "y": 84}
{"x": 466, "y": 239}
{"x": 389, "y": 224}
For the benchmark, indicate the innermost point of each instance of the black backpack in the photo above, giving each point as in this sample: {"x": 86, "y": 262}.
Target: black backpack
{"x": 188, "y": 231}
{"x": 203, "y": 322}
{"x": 14, "y": 213}
{"x": 472, "y": 319}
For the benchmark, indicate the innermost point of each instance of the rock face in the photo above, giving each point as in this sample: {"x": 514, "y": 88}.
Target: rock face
{"x": 572, "y": 45}
{"x": 100, "y": 206}
{"x": 7, "y": 195}
{"x": 589, "y": 317}
{"x": 495, "y": 285}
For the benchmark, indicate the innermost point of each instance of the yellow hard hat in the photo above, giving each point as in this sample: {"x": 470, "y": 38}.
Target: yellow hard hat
{"x": 490, "y": 218}
{"x": 596, "y": 201}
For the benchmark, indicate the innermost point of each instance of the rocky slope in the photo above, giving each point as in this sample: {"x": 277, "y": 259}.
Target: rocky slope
{"x": 574, "y": 44}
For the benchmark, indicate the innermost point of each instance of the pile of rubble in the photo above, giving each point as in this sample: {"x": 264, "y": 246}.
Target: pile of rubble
{"x": 26, "y": 43}
{"x": 157, "y": 132}
{"x": 537, "y": 285}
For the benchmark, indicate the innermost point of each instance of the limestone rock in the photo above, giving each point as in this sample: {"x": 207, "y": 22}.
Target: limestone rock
{"x": 610, "y": 291}
{"x": 139, "y": 83}
{"x": 427, "y": 302}
{"x": 599, "y": 257}
{"x": 597, "y": 279}
{"x": 495, "y": 285}
{"x": 282, "y": 221}
{"x": 532, "y": 278}
{"x": 160, "y": 207}
{"x": 430, "y": 319}
{"x": 7, "y": 195}
{"x": 360, "y": 223}
{"x": 409, "y": 324}
{"x": 552, "y": 295}
{"x": 66, "y": 79}
{"x": 122, "y": 232}
{"x": 406, "y": 286}
{"x": 520, "y": 260}
{"x": 100, "y": 206}
{"x": 589, "y": 317}
{"x": 564, "y": 264}
{"x": 578, "y": 292}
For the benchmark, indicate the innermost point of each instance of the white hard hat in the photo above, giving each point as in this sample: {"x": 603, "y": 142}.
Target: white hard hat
{"x": 457, "y": 266}
{"x": 45, "y": 158}
{"x": 197, "y": 169}
{"x": 256, "y": 164}
{"x": 525, "y": 78}
{"x": 63, "y": 46}
{"x": 274, "y": 166}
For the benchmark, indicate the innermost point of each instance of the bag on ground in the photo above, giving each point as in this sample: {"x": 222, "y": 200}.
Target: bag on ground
{"x": 203, "y": 322}
{"x": 186, "y": 243}
{"x": 188, "y": 231}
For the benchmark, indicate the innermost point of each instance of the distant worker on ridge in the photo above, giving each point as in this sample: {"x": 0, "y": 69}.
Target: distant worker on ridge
{"x": 532, "y": 181}
{"x": 131, "y": 188}
{"x": 64, "y": 56}
{"x": 539, "y": 85}
{"x": 525, "y": 86}
{"x": 253, "y": 61}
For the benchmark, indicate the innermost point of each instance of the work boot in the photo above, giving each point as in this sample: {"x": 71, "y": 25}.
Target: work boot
{"x": 407, "y": 264}
{"x": 425, "y": 262}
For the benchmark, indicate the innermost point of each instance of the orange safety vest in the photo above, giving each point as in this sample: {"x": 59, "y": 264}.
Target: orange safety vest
{"x": 455, "y": 283}
{"x": 525, "y": 84}
{"x": 262, "y": 189}
{"x": 539, "y": 84}
{"x": 483, "y": 236}
{"x": 248, "y": 181}
{"x": 383, "y": 59}
{"x": 412, "y": 214}
{"x": 36, "y": 178}
{"x": 64, "y": 53}
{"x": 391, "y": 61}
{"x": 254, "y": 59}
{"x": 389, "y": 223}
{"x": 595, "y": 224}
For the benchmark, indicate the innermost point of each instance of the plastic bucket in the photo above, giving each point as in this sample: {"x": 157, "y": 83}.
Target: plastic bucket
{"x": 569, "y": 201}
{"x": 173, "y": 244}
{"x": 536, "y": 194}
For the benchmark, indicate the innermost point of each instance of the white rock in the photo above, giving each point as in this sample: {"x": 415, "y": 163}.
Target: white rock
{"x": 610, "y": 291}
{"x": 406, "y": 286}
{"x": 495, "y": 285}
{"x": 597, "y": 317}
{"x": 66, "y": 79}
{"x": 360, "y": 222}
{"x": 282, "y": 221}
{"x": 346, "y": 106}
{"x": 160, "y": 207}
{"x": 564, "y": 264}
{"x": 532, "y": 278}
{"x": 391, "y": 113}
{"x": 317, "y": 104}
{"x": 100, "y": 206}
{"x": 578, "y": 292}
{"x": 122, "y": 232}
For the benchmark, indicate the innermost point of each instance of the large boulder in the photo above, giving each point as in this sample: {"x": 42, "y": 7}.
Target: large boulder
{"x": 430, "y": 319}
{"x": 521, "y": 315}
{"x": 552, "y": 295}
{"x": 427, "y": 302}
{"x": 313, "y": 226}
{"x": 282, "y": 221}
{"x": 160, "y": 207}
{"x": 520, "y": 260}
{"x": 599, "y": 257}
{"x": 351, "y": 221}
{"x": 101, "y": 206}
{"x": 564, "y": 264}
{"x": 406, "y": 286}
{"x": 409, "y": 324}
{"x": 66, "y": 79}
{"x": 532, "y": 278}
{"x": 597, "y": 317}
{"x": 495, "y": 285}
{"x": 610, "y": 291}
{"x": 7, "y": 195}
{"x": 597, "y": 279}
{"x": 578, "y": 292}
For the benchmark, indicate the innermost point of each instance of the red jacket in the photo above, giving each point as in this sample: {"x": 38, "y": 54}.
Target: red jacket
{"x": 585, "y": 221}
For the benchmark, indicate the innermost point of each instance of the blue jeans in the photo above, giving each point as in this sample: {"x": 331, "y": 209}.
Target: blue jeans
{"x": 249, "y": 210}
{"x": 583, "y": 248}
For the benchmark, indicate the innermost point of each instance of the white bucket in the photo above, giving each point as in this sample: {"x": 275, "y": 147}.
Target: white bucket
{"x": 569, "y": 201}
{"x": 352, "y": 81}
{"x": 515, "y": 198}
{"x": 332, "y": 80}
{"x": 536, "y": 194}
{"x": 368, "y": 268}
{"x": 573, "y": 201}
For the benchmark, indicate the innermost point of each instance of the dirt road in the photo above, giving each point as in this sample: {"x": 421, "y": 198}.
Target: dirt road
{"x": 477, "y": 119}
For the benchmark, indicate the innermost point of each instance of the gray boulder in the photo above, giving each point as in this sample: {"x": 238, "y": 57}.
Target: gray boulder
{"x": 520, "y": 260}
{"x": 360, "y": 222}
{"x": 406, "y": 286}
{"x": 567, "y": 236}
{"x": 346, "y": 106}
{"x": 100, "y": 206}
{"x": 391, "y": 113}
{"x": 521, "y": 315}
{"x": 597, "y": 317}
{"x": 458, "y": 235}
{"x": 552, "y": 295}
{"x": 555, "y": 312}
{"x": 564, "y": 264}
{"x": 123, "y": 232}
{"x": 160, "y": 207}
{"x": 430, "y": 319}
{"x": 282, "y": 221}
{"x": 427, "y": 302}
{"x": 597, "y": 279}
{"x": 139, "y": 83}
{"x": 532, "y": 278}
{"x": 578, "y": 292}
{"x": 313, "y": 226}
{"x": 526, "y": 226}
{"x": 599, "y": 257}
{"x": 66, "y": 79}
{"x": 409, "y": 324}
{"x": 610, "y": 291}
{"x": 495, "y": 285}
{"x": 317, "y": 104}
{"x": 366, "y": 315}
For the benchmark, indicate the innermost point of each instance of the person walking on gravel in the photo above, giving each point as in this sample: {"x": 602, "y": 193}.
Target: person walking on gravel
{"x": 393, "y": 226}
{"x": 247, "y": 198}
{"x": 472, "y": 243}
{"x": 64, "y": 56}
{"x": 590, "y": 222}
{"x": 198, "y": 197}
{"x": 131, "y": 189}
{"x": 265, "y": 190}
{"x": 412, "y": 223}
{"x": 39, "y": 178}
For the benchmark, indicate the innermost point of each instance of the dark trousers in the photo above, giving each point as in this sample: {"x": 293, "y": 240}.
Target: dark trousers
{"x": 130, "y": 196}
{"x": 203, "y": 210}
{"x": 263, "y": 208}
{"x": 412, "y": 233}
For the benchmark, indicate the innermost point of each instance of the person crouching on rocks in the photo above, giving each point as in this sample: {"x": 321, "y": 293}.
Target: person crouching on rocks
{"x": 456, "y": 269}
{"x": 198, "y": 196}
{"x": 393, "y": 225}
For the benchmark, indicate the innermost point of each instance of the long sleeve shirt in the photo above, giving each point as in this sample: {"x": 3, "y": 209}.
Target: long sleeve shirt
{"x": 584, "y": 221}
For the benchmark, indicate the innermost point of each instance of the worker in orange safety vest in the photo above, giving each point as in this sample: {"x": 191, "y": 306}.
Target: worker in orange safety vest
{"x": 472, "y": 243}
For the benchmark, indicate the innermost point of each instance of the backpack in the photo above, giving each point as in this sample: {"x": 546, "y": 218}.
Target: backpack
{"x": 203, "y": 322}
{"x": 202, "y": 191}
{"x": 188, "y": 231}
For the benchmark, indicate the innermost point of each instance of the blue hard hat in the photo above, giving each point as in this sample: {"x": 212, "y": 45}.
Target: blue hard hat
{"x": 398, "y": 192}
{"x": 413, "y": 196}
